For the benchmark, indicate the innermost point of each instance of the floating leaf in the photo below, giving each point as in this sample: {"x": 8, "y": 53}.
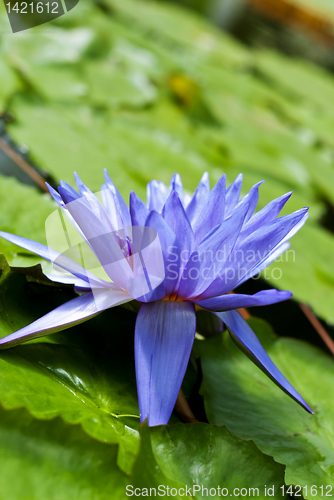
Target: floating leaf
{"x": 181, "y": 456}
{"x": 237, "y": 394}
{"x": 54, "y": 460}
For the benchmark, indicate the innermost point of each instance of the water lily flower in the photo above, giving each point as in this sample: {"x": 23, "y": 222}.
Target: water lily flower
{"x": 210, "y": 243}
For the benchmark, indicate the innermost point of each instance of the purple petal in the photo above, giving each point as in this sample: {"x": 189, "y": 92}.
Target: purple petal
{"x": 213, "y": 211}
{"x": 176, "y": 217}
{"x": 251, "y": 252}
{"x": 110, "y": 207}
{"x": 211, "y": 255}
{"x": 121, "y": 206}
{"x": 233, "y": 195}
{"x": 279, "y": 249}
{"x": 275, "y": 252}
{"x": 69, "y": 314}
{"x": 169, "y": 249}
{"x": 138, "y": 210}
{"x": 236, "y": 300}
{"x": 67, "y": 193}
{"x": 199, "y": 198}
{"x": 67, "y": 280}
{"x": 244, "y": 335}
{"x": 164, "y": 336}
{"x": 266, "y": 215}
{"x": 55, "y": 195}
{"x": 96, "y": 227}
{"x": 251, "y": 199}
{"x": 176, "y": 185}
{"x": 157, "y": 194}
{"x": 79, "y": 284}
{"x": 52, "y": 256}
{"x": 59, "y": 200}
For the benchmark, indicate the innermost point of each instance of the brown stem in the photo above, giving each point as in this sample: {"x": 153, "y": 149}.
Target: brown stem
{"x": 318, "y": 327}
{"x": 23, "y": 165}
{"x": 244, "y": 313}
{"x": 183, "y": 409}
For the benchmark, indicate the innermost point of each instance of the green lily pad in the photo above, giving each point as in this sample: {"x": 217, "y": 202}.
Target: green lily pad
{"x": 196, "y": 459}
{"x": 54, "y": 460}
{"x": 109, "y": 86}
{"x": 237, "y": 394}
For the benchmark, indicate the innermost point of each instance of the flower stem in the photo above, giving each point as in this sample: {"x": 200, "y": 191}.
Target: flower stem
{"x": 244, "y": 313}
{"x": 318, "y": 327}
{"x": 183, "y": 409}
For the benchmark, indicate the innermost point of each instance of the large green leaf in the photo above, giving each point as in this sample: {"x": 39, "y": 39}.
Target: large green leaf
{"x": 53, "y": 460}
{"x": 85, "y": 374}
{"x": 112, "y": 87}
{"x": 237, "y": 394}
{"x": 203, "y": 456}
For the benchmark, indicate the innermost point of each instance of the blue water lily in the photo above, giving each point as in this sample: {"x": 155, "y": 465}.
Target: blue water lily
{"x": 210, "y": 243}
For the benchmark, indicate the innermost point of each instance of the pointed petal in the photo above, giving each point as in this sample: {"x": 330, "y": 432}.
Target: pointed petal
{"x": 279, "y": 249}
{"x": 247, "y": 340}
{"x": 237, "y": 300}
{"x": 176, "y": 185}
{"x": 138, "y": 210}
{"x": 69, "y": 314}
{"x": 68, "y": 280}
{"x": 200, "y": 196}
{"x": 211, "y": 255}
{"x": 233, "y": 195}
{"x": 213, "y": 212}
{"x": 169, "y": 248}
{"x": 157, "y": 194}
{"x": 79, "y": 284}
{"x": 59, "y": 200}
{"x": 251, "y": 198}
{"x": 119, "y": 201}
{"x": 110, "y": 207}
{"x": 89, "y": 200}
{"x": 53, "y": 256}
{"x": 67, "y": 193}
{"x": 186, "y": 200}
{"x": 164, "y": 336}
{"x": 176, "y": 218}
{"x": 110, "y": 220}
{"x": 275, "y": 251}
{"x": 55, "y": 195}
{"x": 250, "y": 253}
{"x": 266, "y": 215}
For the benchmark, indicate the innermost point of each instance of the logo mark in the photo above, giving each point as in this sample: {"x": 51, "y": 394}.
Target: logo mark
{"x": 130, "y": 256}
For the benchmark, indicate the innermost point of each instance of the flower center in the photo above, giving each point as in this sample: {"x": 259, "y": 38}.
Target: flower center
{"x": 173, "y": 298}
